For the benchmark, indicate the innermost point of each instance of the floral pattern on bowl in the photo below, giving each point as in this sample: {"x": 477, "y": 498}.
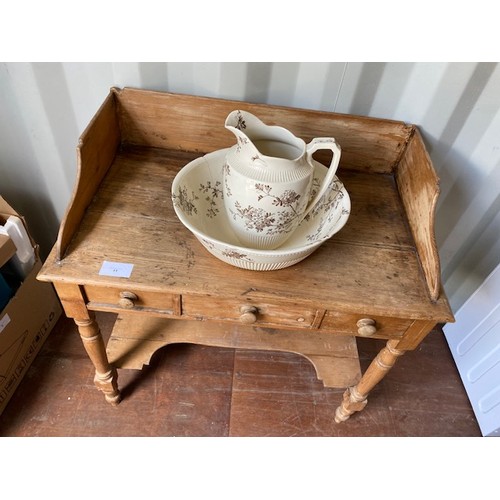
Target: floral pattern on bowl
{"x": 197, "y": 198}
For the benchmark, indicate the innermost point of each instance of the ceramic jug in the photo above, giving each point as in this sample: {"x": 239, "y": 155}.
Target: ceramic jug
{"x": 267, "y": 180}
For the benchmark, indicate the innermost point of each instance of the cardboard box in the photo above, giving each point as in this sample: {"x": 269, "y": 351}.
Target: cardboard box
{"x": 25, "y": 323}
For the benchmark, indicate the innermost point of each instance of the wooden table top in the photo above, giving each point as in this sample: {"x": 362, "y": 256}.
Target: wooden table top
{"x": 370, "y": 266}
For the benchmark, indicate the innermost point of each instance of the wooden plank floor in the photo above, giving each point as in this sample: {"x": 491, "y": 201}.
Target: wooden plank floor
{"x": 191, "y": 390}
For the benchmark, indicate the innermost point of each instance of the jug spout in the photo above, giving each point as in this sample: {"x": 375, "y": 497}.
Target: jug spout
{"x": 236, "y": 121}
{"x": 240, "y": 126}
{"x": 268, "y": 142}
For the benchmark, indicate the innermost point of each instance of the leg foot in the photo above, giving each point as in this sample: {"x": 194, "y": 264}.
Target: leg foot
{"x": 108, "y": 384}
{"x": 352, "y": 402}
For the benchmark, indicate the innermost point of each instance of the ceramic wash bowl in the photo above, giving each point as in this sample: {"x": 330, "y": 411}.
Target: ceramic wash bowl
{"x": 197, "y": 196}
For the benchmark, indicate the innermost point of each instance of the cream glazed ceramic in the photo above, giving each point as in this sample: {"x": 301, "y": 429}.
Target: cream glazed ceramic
{"x": 197, "y": 196}
{"x": 268, "y": 179}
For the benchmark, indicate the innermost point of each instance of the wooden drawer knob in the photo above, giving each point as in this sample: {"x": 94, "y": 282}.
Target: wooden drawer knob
{"x": 366, "y": 327}
{"x": 127, "y": 300}
{"x": 248, "y": 314}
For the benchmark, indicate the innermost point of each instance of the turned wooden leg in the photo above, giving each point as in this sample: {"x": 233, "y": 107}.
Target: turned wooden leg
{"x": 355, "y": 397}
{"x": 106, "y": 378}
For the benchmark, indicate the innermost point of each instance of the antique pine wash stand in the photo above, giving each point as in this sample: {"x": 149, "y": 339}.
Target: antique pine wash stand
{"x": 378, "y": 277}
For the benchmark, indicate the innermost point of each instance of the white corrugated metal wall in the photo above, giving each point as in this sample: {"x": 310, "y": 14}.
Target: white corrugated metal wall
{"x": 44, "y": 107}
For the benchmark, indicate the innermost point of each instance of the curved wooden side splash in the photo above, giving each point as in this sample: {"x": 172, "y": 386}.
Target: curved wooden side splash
{"x": 418, "y": 186}
{"x": 95, "y": 153}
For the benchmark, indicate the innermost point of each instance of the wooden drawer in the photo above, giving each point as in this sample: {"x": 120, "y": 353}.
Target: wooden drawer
{"x": 125, "y": 299}
{"x": 364, "y": 326}
{"x": 251, "y": 311}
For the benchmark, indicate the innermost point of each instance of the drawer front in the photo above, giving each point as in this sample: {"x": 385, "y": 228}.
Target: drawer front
{"x": 364, "y": 325}
{"x": 120, "y": 299}
{"x": 251, "y": 311}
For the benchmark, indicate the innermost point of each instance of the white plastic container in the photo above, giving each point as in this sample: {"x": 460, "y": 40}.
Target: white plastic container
{"x": 24, "y": 259}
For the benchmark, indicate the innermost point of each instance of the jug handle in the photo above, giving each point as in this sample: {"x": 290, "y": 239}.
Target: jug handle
{"x": 312, "y": 147}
